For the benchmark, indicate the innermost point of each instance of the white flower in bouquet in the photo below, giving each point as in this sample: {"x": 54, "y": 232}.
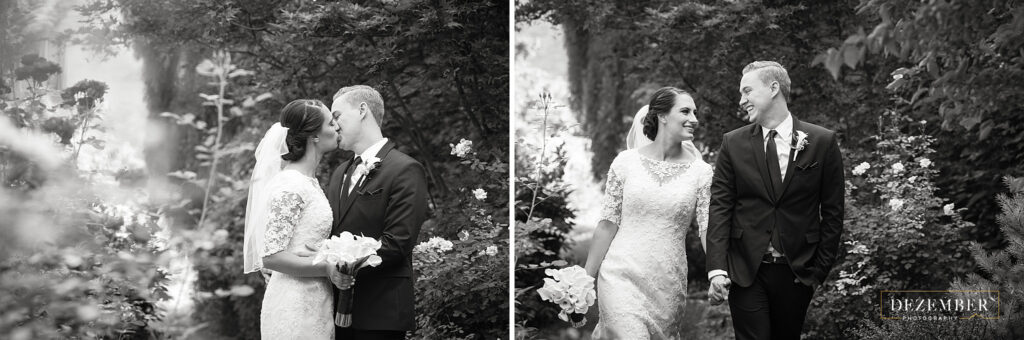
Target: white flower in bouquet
{"x": 924, "y": 162}
{"x": 347, "y": 250}
{"x": 491, "y": 250}
{"x": 463, "y": 148}
{"x": 948, "y": 209}
{"x": 572, "y": 290}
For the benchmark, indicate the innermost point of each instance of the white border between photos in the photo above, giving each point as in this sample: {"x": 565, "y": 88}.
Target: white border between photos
{"x": 511, "y": 170}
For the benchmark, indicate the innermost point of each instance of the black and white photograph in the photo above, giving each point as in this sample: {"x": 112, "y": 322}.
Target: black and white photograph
{"x": 301, "y": 169}
{"x": 521, "y": 169}
{"x": 733, "y": 169}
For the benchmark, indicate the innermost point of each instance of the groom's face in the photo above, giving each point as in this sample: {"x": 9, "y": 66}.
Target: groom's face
{"x": 349, "y": 122}
{"x": 755, "y": 96}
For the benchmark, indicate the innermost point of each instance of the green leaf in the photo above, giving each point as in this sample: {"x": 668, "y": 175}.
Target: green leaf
{"x": 896, "y": 84}
{"x": 985, "y": 130}
{"x": 833, "y": 62}
{"x": 932, "y": 65}
{"x": 970, "y": 122}
{"x": 851, "y": 56}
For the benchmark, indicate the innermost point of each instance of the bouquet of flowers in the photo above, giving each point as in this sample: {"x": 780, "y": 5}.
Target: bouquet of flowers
{"x": 350, "y": 253}
{"x": 573, "y": 290}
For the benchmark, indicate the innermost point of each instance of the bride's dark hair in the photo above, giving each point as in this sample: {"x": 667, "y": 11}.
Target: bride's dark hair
{"x": 661, "y": 103}
{"x": 303, "y": 119}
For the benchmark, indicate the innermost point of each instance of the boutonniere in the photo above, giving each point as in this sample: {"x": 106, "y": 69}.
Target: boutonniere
{"x": 366, "y": 169}
{"x": 800, "y": 144}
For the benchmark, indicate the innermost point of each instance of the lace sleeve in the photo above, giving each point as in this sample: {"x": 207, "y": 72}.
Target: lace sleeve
{"x": 700, "y": 216}
{"x": 611, "y": 207}
{"x": 285, "y": 210}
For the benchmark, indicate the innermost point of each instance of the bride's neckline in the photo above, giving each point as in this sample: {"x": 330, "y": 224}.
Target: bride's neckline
{"x": 642, "y": 155}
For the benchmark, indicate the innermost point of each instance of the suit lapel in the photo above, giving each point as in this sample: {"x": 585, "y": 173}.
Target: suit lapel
{"x": 351, "y": 198}
{"x": 757, "y": 144}
{"x": 790, "y": 170}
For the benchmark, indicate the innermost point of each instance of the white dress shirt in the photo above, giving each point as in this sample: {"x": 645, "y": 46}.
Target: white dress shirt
{"x": 783, "y": 141}
{"x": 369, "y": 152}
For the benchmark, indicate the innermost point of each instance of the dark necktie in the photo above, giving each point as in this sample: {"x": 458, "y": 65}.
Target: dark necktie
{"x": 348, "y": 176}
{"x": 772, "y": 157}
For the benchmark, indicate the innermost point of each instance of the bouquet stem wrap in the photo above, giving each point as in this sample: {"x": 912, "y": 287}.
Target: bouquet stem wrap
{"x": 343, "y": 316}
{"x": 577, "y": 320}
{"x": 343, "y": 310}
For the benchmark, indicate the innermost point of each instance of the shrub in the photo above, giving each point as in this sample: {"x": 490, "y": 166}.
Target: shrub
{"x": 898, "y": 233}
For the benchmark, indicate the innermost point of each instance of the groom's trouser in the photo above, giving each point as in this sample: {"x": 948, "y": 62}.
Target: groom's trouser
{"x": 357, "y": 334}
{"x": 773, "y": 307}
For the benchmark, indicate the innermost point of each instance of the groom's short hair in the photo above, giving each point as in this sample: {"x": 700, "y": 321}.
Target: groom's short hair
{"x": 364, "y": 94}
{"x": 772, "y": 71}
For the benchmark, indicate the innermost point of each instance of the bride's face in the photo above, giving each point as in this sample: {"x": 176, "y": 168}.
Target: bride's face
{"x": 328, "y": 132}
{"x": 681, "y": 122}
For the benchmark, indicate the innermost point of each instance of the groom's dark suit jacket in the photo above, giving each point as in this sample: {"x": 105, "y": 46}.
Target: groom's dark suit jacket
{"x": 390, "y": 205}
{"x": 808, "y": 213}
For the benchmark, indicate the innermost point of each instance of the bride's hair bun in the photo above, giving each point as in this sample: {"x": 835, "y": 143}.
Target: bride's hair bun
{"x": 661, "y": 103}
{"x": 303, "y": 119}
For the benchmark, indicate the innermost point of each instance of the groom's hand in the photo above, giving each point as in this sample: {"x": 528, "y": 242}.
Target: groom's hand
{"x": 719, "y": 290}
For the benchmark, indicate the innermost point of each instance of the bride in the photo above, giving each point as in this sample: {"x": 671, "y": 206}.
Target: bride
{"x": 655, "y": 190}
{"x": 286, "y": 210}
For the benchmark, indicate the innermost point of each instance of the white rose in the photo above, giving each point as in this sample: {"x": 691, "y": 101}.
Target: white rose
{"x": 462, "y": 149}
{"x": 896, "y": 204}
{"x": 948, "y": 209}
{"x": 220, "y": 236}
{"x": 897, "y": 168}
{"x": 480, "y": 194}
{"x": 861, "y": 168}
{"x": 438, "y": 244}
{"x": 491, "y": 250}
{"x": 924, "y": 162}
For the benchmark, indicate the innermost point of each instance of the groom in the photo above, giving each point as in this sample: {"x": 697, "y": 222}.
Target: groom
{"x": 380, "y": 193}
{"x": 776, "y": 212}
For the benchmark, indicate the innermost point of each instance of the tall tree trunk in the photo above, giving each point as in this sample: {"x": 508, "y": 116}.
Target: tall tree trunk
{"x": 599, "y": 89}
{"x": 171, "y": 81}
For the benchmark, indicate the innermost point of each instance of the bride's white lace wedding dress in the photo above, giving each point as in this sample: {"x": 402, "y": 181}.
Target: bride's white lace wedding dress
{"x": 296, "y": 307}
{"x": 641, "y": 285}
